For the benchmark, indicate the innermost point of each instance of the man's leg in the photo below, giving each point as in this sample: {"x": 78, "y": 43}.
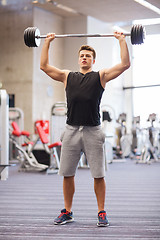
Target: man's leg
{"x": 100, "y": 191}
{"x": 68, "y": 192}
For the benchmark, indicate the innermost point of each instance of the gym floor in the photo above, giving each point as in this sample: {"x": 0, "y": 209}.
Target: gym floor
{"x": 30, "y": 201}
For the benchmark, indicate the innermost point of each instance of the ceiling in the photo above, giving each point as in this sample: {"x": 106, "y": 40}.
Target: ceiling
{"x": 111, "y": 11}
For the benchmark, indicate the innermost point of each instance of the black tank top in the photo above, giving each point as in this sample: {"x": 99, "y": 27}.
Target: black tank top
{"x": 84, "y": 93}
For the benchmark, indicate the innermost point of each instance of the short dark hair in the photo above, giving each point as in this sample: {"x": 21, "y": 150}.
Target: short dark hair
{"x": 88, "y": 48}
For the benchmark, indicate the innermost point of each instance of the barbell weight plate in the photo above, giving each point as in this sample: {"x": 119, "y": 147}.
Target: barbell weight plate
{"x": 136, "y": 37}
{"x": 33, "y": 37}
{"x": 140, "y": 38}
{"x": 132, "y": 34}
{"x": 26, "y": 36}
{"x": 32, "y": 34}
{"x": 142, "y": 34}
{"x": 137, "y": 34}
{"x": 30, "y": 37}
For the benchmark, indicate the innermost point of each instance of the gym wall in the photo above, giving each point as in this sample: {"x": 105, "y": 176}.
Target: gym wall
{"x": 16, "y": 62}
{"x": 46, "y": 91}
{"x": 20, "y": 70}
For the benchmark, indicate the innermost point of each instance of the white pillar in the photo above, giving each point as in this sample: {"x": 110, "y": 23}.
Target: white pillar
{"x": 4, "y": 133}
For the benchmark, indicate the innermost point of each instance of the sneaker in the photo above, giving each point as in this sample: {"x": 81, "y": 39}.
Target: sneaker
{"x": 64, "y": 217}
{"x": 102, "y": 219}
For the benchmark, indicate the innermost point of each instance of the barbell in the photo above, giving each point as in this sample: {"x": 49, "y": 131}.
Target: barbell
{"x": 32, "y": 37}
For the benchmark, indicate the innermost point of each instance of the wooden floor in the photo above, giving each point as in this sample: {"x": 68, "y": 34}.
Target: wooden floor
{"x": 30, "y": 201}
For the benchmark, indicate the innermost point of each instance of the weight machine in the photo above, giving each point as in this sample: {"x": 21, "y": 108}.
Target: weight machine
{"x": 123, "y": 149}
{"x": 26, "y": 157}
{"x": 50, "y": 149}
{"x": 15, "y": 115}
{"x": 150, "y": 142}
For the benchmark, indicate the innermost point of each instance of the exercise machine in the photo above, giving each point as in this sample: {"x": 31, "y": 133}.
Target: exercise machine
{"x": 149, "y": 152}
{"x": 124, "y": 140}
{"x": 26, "y": 157}
{"x": 107, "y": 118}
{"x": 50, "y": 149}
{"x": 15, "y": 115}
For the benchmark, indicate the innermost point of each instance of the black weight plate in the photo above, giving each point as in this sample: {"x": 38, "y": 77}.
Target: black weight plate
{"x": 34, "y": 39}
{"x": 133, "y": 35}
{"x": 132, "y": 29}
{"x": 26, "y": 37}
{"x": 138, "y": 38}
{"x": 141, "y": 34}
{"x": 137, "y": 35}
{"x": 29, "y": 38}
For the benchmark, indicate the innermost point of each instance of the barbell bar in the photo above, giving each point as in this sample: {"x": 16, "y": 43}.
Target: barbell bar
{"x": 32, "y": 37}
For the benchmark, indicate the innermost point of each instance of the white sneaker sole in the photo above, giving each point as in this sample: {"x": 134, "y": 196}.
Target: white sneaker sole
{"x": 102, "y": 225}
{"x": 62, "y": 223}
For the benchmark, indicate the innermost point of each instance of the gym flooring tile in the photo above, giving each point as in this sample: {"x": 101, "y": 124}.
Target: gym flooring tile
{"x": 30, "y": 201}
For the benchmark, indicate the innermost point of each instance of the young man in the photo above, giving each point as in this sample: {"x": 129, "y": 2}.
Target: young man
{"x": 83, "y": 133}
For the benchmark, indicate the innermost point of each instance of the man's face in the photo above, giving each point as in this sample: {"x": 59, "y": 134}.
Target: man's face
{"x": 86, "y": 59}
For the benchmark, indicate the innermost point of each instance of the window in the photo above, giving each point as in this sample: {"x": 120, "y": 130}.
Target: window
{"x": 146, "y": 72}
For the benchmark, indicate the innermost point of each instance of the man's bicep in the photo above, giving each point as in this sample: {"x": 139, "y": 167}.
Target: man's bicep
{"x": 111, "y": 73}
{"x": 56, "y": 73}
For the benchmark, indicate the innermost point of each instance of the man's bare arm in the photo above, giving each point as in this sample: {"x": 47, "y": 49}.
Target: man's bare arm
{"x": 108, "y": 74}
{"x": 55, "y": 73}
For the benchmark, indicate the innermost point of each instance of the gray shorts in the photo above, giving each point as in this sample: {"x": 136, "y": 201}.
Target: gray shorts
{"x": 78, "y": 139}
